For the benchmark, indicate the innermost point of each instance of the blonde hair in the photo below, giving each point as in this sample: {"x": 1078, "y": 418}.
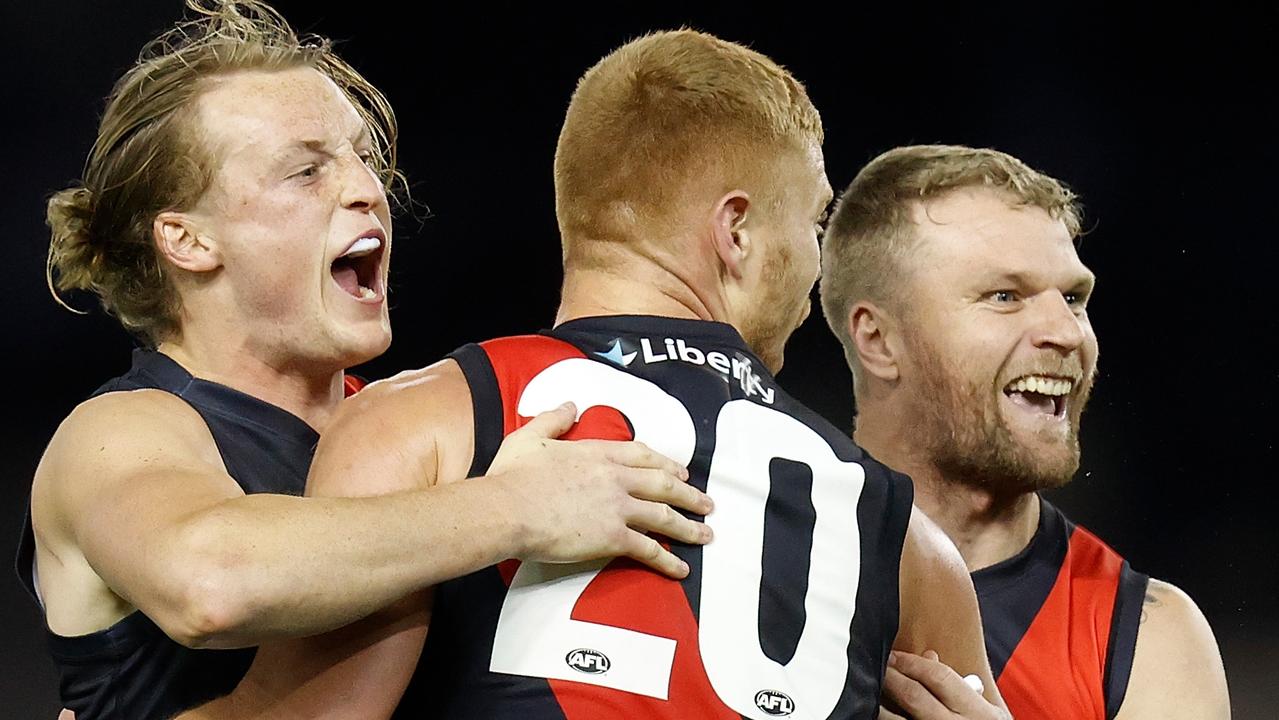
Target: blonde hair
{"x": 871, "y": 230}
{"x": 146, "y": 161}
{"x": 660, "y": 112}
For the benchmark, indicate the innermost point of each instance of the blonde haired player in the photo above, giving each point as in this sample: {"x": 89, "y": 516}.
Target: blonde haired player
{"x": 234, "y": 215}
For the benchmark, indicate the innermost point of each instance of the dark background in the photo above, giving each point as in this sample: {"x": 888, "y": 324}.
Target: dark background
{"x": 1165, "y": 124}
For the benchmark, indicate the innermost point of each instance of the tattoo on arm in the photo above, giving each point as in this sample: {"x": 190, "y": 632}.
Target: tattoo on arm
{"x": 1149, "y": 602}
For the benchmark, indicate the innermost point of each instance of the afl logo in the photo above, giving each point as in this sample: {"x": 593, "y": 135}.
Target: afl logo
{"x": 774, "y": 702}
{"x": 591, "y": 662}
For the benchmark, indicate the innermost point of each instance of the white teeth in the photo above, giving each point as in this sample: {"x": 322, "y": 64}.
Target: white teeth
{"x": 1042, "y": 385}
{"x": 366, "y": 293}
{"x": 362, "y": 247}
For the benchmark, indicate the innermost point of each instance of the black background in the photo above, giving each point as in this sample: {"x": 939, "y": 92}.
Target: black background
{"x": 1165, "y": 123}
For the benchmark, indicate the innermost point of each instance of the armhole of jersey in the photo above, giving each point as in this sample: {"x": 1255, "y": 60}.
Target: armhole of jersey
{"x": 25, "y": 563}
{"x": 1124, "y": 623}
{"x": 486, "y": 404}
{"x": 901, "y": 503}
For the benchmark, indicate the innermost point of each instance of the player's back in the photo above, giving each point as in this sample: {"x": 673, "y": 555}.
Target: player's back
{"x": 790, "y": 611}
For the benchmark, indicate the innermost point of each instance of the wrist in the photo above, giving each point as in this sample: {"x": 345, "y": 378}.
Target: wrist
{"x": 513, "y": 536}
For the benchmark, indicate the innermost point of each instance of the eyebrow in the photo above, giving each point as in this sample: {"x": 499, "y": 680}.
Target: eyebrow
{"x": 320, "y": 147}
{"x": 285, "y": 154}
{"x": 1083, "y": 280}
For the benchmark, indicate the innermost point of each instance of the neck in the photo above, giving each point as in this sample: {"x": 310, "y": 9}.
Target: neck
{"x": 307, "y": 393}
{"x": 634, "y": 289}
{"x": 986, "y": 526}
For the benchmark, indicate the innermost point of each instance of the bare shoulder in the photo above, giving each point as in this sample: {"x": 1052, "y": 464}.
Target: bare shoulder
{"x": 939, "y": 605}
{"x": 122, "y": 465}
{"x": 128, "y": 419}
{"x": 933, "y": 576}
{"x": 420, "y": 419}
{"x": 1177, "y": 670}
{"x": 929, "y": 556}
{"x": 115, "y": 436}
{"x": 412, "y": 394}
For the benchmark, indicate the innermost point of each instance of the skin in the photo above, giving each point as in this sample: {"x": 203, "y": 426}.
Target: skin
{"x": 993, "y": 292}
{"x": 263, "y": 314}
{"x": 732, "y": 262}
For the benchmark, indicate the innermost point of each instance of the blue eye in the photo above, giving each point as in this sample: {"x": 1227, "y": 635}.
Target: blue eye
{"x": 1003, "y": 296}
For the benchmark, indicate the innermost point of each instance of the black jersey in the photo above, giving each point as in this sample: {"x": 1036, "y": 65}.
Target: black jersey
{"x": 790, "y": 612}
{"x": 132, "y": 670}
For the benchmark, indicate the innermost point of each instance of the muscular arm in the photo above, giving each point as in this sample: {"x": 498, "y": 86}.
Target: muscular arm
{"x": 1177, "y": 671}
{"x": 939, "y": 610}
{"x": 133, "y": 489}
{"x": 425, "y": 417}
{"x": 133, "y": 508}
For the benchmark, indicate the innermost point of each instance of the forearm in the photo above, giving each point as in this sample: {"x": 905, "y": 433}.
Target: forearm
{"x": 277, "y": 566}
{"x": 358, "y": 671}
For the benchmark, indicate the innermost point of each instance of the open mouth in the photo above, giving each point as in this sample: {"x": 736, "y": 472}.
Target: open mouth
{"x": 1041, "y": 394}
{"x": 358, "y": 271}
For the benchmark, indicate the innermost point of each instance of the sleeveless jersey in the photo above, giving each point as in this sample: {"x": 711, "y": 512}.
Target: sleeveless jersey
{"x": 1061, "y": 622}
{"x": 132, "y": 670}
{"x": 791, "y": 610}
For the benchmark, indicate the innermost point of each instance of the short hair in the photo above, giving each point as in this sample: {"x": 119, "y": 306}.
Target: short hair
{"x": 146, "y": 159}
{"x": 661, "y": 111}
{"x": 871, "y": 230}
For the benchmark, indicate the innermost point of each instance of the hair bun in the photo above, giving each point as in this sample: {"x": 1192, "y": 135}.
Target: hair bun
{"x": 71, "y": 249}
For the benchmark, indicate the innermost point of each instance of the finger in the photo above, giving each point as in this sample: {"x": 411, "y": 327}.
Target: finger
{"x": 913, "y": 697}
{"x": 661, "y": 487}
{"x": 940, "y": 680}
{"x": 648, "y": 551}
{"x": 886, "y": 714}
{"x": 550, "y": 424}
{"x": 931, "y": 655}
{"x": 639, "y": 455}
{"x": 663, "y": 519}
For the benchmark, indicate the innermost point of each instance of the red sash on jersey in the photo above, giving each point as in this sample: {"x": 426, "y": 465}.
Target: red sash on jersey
{"x": 609, "y": 599}
{"x": 351, "y": 384}
{"x": 1058, "y": 670}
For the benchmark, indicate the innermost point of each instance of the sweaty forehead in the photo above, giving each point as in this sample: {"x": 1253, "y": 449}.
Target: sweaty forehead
{"x": 259, "y": 112}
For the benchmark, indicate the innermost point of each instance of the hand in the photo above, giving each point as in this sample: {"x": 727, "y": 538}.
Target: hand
{"x": 921, "y": 687}
{"x": 588, "y": 499}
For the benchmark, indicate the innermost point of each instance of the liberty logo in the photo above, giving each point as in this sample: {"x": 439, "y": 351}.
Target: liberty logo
{"x": 738, "y": 367}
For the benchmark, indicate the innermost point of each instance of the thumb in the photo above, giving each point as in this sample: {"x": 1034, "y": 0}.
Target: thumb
{"x": 552, "y": 423}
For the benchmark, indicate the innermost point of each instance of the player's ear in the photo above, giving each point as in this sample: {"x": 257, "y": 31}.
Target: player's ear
{"x": 875, "y": 340}
{"x": 728, "y": 231}
{"x": 181, "y": 239}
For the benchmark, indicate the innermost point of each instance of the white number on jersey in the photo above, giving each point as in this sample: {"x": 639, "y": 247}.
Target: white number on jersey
{"x": 536, "y": 637}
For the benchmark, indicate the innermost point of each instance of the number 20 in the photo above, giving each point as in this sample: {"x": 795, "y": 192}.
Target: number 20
{"x": 535, "y": 631}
